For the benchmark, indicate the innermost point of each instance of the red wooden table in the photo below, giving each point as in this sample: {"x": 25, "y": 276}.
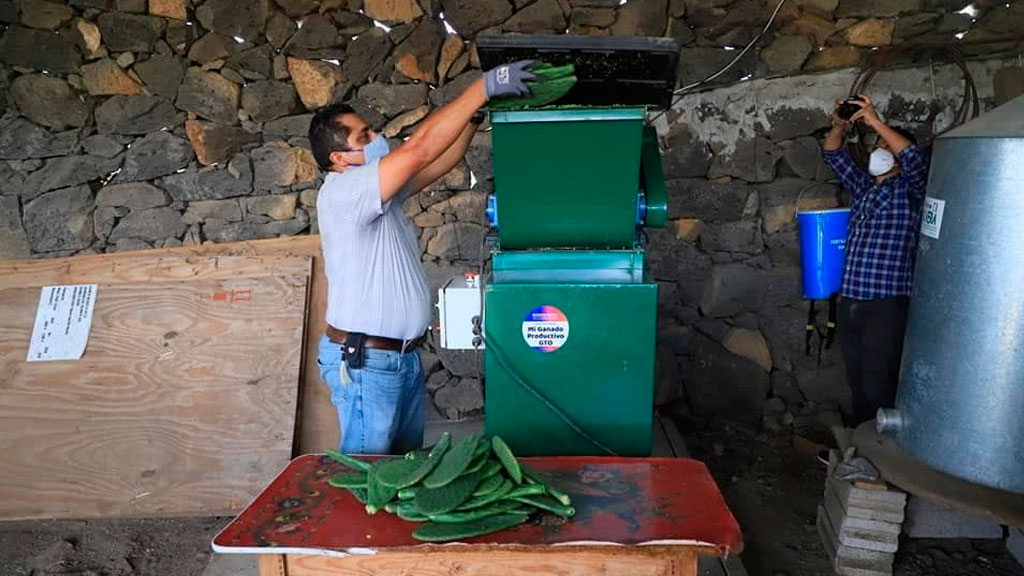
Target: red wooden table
{"x": 637, "y": 516}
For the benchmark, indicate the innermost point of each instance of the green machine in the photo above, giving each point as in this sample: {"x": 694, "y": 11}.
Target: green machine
{"x": 570, "y": 309}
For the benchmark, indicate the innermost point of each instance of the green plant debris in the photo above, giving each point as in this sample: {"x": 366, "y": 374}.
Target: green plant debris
{"x": 551, "y": 84}
{"x": 472, "y": 487}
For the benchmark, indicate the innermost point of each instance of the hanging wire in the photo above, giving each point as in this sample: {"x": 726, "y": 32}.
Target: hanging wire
{"x": 970, "y": 106}
{"x": 679, "y": 92}
{"x": 738, "y": 56}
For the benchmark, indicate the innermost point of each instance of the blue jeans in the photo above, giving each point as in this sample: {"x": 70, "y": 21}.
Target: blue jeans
{"x": 382, "y": 410}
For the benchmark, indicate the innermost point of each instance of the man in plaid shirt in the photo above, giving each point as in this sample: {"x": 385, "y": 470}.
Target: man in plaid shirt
{"x": 880, "y": 244}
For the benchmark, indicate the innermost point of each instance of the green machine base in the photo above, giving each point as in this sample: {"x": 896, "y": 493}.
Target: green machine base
{"x": 570, "y": 312}
{"x": 579, "y": 328}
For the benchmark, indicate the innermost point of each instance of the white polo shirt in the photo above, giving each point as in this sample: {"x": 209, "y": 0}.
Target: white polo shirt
{"x": 375, "y": 279}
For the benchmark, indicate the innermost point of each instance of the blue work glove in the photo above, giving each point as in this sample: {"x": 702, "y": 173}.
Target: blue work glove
{"x": 508, "y": 80}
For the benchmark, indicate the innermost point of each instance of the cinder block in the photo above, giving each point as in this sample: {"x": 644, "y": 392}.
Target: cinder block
{"x": 847, "y": 561}
{"x": 867, "y": 518}
{"x": 851, "y": 553}
{"x": 925, "y": 519}
{"x": 888, "y": 501}
{"x": 851, "y": 531}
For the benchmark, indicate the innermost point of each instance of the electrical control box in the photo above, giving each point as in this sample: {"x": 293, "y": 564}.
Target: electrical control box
{"x": 458, "y": 305}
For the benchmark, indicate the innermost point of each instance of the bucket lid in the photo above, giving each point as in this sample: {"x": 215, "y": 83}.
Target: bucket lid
{"x": 827, "y": 211}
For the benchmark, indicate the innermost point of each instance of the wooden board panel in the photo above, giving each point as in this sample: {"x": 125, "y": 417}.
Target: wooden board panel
{"x": 317, "y": 419}
{"x": 493, "y": 563}
{"x": 184, "y": 402}
{"x": 143, "y": 268}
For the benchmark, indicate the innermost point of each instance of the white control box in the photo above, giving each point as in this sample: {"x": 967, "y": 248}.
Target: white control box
{"x": 458, "y": 302}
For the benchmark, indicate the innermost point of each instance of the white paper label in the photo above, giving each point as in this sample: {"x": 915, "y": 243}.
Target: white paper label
{"x": 63, "y": 322}
{"x": 931, "y": 220}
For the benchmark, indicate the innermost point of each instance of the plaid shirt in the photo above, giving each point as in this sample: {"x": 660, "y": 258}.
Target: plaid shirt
{"x": 884, "y": 220}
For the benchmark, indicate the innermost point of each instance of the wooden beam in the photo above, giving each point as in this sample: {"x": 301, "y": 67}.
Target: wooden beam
{"x": 531, "y": 562}
{"x": 675, "y": 438}
{"x": 660, "y": 445}
{"x": 142, "y": 268}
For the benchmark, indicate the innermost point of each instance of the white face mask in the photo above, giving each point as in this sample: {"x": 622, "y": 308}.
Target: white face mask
{"x": 881, "y": 162}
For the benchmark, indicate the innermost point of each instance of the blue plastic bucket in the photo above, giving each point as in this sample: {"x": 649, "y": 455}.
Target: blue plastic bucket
{"x": 822, "y": 249}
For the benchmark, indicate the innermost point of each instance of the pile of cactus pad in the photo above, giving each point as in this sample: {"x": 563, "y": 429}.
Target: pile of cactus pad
{"x": 551, "y": 83}
{"x": 457, "y": 490}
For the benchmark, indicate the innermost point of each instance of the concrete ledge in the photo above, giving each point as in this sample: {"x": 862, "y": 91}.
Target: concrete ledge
{"x": 231, "y": 565}
{"x": 925, "y": 519}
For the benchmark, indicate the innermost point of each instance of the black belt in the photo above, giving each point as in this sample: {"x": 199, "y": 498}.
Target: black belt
{"x": 379, "y": 343}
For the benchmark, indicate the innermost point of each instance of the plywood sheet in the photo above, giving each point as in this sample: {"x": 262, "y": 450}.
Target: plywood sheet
{"x": 184, "y": 402}
{"x": 317, "y": 425}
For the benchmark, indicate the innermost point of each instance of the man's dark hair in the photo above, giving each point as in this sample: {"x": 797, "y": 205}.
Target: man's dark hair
{"x": 905, "y": 133}
{"x": 327, "y": 134}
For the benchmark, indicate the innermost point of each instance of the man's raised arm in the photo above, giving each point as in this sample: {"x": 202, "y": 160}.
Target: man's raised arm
{"x": 441, "y": 129}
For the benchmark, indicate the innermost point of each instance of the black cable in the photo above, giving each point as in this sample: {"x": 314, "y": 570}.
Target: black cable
{"x": 679, "y": 92}
{"x": 830, "y": 327}
{"x": 811, "y": 328}
{"x": 970, "y": 106}
{"x": 500, "y": 357}
{"x": 480, "y": 331}
{"x": 821, "y": 346}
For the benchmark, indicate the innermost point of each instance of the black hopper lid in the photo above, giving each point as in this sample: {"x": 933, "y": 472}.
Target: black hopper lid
{"x": 611, "y": 70}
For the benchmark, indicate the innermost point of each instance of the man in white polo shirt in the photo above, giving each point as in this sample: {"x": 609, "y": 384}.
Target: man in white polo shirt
{"x": 378, "y": 303}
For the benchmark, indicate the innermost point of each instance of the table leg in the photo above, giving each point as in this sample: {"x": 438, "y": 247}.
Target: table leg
{"x": 272, "y": 565}
{"x": 684, "y": 565}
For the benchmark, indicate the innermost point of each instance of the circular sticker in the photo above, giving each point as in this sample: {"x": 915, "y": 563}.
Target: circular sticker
{"x": 545, "y": 329}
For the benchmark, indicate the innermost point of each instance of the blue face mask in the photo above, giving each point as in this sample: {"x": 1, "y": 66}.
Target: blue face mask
{"x": 375, "y": 150}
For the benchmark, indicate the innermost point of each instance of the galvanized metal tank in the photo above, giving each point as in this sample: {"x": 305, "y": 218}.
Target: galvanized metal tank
{"x": 960, "y": 406}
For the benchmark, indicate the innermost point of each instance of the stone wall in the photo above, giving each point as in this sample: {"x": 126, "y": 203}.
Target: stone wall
{"x": 127, "y": 124}
{"x": 739, "y": 162}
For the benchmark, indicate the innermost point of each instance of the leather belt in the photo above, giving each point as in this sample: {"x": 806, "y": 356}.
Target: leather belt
{"x": 338, "y": 337}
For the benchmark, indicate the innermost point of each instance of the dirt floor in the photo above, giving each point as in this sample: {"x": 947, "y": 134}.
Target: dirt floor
{"x": 772, "y": 487}
{"x": 136, "y": 547}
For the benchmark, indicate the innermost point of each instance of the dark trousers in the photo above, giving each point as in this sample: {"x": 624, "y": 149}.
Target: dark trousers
{"x": 871, "y": 336}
